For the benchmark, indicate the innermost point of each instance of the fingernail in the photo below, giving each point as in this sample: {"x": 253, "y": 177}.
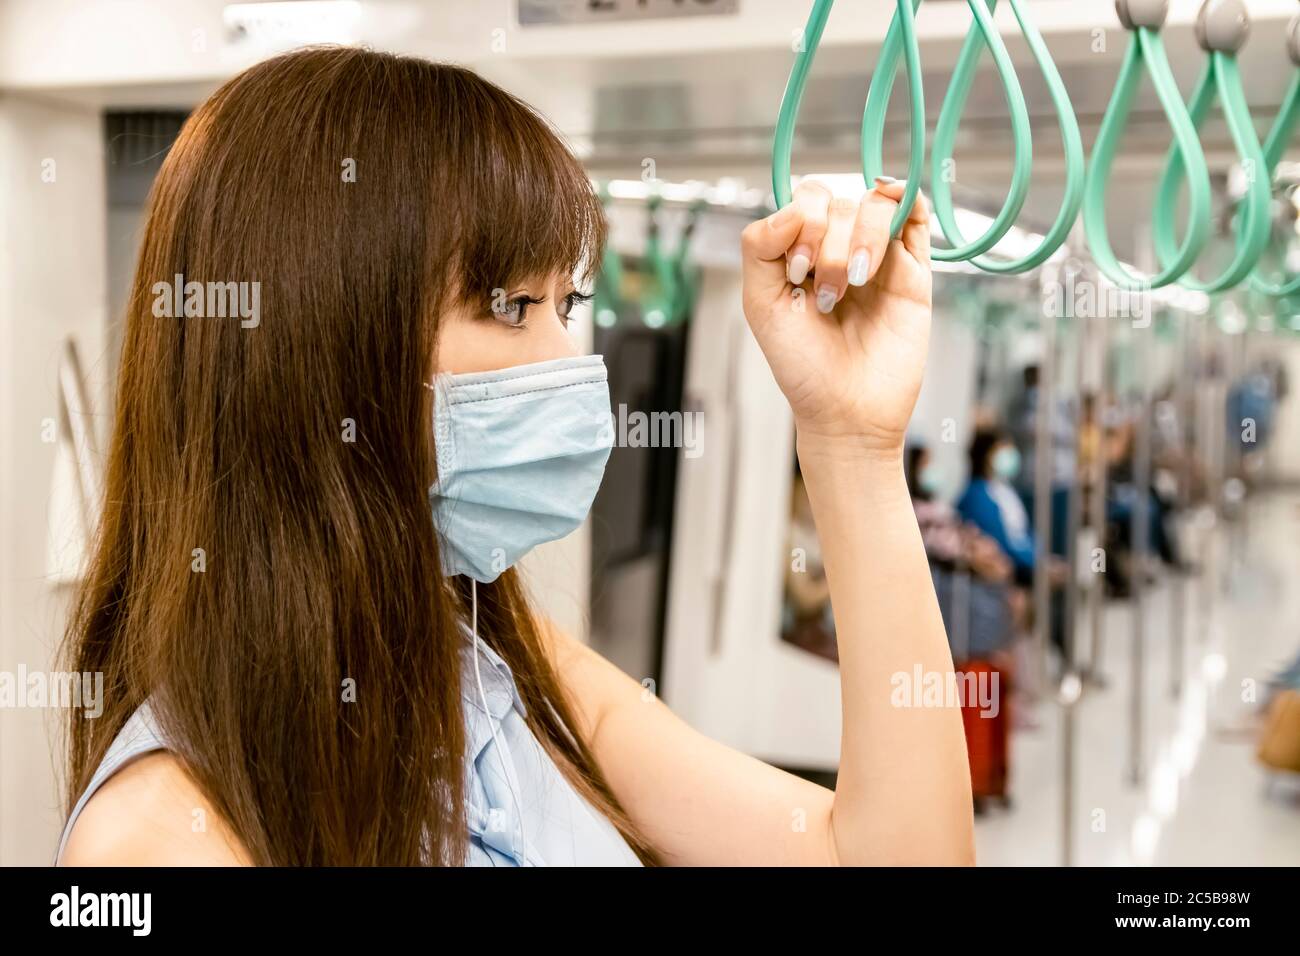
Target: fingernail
{"x": 800, "y": 263}
{"x": 859, "y": 266}
{"x": 885, "y": 180}
{"x": 826, "y": 296}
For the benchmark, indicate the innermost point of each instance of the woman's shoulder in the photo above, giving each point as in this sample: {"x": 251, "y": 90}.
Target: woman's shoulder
{"x": 152, "y": 812}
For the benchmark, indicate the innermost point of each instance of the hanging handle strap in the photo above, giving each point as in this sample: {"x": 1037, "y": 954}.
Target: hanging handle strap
{"x": 657, "y": 306}
{"x": 903, "y": 30}
{"x": 899, "y": 39}
{"x": 946, "y": 133}
{"x": 1143, "y": 19}
{"x": 983, "y": 33}
{"x": 1221, "y": 28}
{"x": 609, "y": 280}
{"x": 783, "y": 141}
{"x": 1274, "y": 146}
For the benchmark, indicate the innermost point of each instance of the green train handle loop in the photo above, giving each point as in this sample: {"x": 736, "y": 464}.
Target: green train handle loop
{"x": 900, "y": 39}
{"x": 983, "y": 31}
{"x": 688, "y": 276}
{"x": 609, "y": 280}
{"x": 1143, "y": 19}
{"x": 661, "y": 299}
{"x": 904, "y": 29}
{"x": 1222, "y": 28}
{"x": 946, "y": 132}
{"x": 1274, "y": 146}
{"x": 783, "y": 140}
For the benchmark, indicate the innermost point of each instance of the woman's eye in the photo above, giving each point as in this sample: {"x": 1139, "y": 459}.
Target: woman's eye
{"x": 568, "y": 302}
{"x": 513, "y": 312}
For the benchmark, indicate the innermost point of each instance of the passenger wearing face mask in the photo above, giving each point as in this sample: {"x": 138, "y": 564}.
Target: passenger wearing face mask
{"x": 990, "y": 501}
{"x": 950, "y": 542}
{"x": 985, "y": 613}
{"x": 304, "y": 591}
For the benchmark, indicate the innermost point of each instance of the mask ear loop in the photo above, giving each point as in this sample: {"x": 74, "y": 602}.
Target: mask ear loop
{"x": 482, "y": 696}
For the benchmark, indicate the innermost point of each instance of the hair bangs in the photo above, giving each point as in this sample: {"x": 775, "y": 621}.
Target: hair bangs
{"x": 529, "y": 210}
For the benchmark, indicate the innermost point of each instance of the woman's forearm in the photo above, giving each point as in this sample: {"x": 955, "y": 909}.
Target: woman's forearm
{"x": 903, "y": 793}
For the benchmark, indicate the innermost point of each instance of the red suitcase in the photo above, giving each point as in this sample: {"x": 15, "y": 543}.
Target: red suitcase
{"x": 986, "y": 732}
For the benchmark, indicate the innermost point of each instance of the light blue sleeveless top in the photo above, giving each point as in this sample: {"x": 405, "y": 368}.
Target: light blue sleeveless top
{"x": 549, "y": 824}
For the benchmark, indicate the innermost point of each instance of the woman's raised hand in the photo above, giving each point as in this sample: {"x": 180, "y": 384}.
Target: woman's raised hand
{"x": 842, "y": 313}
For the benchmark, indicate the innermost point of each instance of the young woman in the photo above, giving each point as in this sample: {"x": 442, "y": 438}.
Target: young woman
{"x": 314, "y": 648}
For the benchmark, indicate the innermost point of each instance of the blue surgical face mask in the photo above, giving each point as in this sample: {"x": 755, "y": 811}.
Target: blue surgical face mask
{"x": 521, "y": 452}
{"x": 1006, "y": 462}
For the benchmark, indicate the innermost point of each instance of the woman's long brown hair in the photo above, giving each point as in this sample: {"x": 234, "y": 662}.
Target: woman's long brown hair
{"x": 267, "y": 551}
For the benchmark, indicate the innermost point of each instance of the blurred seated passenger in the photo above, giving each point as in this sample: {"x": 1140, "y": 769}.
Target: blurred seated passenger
{"x": 990, "y": 501}
{"x": 1123, "y": 497}
{"x": 949, "y": 542}
{"x": 1251, "y": 409}
{"x": 982, "y": 617}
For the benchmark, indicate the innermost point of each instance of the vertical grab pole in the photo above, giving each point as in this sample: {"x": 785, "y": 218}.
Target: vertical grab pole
{"x": 1069, "y": 695}
{"x": 1224, "y": 453}
{"x": 1074, "y": 503}
{"x": 1071, "y": 686}
{"x": 1097, "y": 511}
{"x": 1182, "y": 402}
{"x": 1043, "y": 495}
{"x": 1140, "y": 537}
{"x": 1221, "y": 451}
{"x": 1262, "y": 465}
{"x": 1239, "y": 528}
{"x": 1208, "y": 437}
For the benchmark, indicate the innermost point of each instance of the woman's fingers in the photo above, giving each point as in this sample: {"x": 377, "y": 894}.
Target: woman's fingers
{"x": 915, "y": 236}
{"x": 890, "y": 188}
{"x": 831, "y": 270}
{"x": 763, "y": 245}
{"x": 839, "y": 243}
{"x": 856, "y": 243}
{"x": 813, "y": 200}
{"x": 870, "y": 236}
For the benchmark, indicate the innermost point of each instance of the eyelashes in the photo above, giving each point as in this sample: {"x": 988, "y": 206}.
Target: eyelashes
{"x": 569, "y": 301}
{"x": 515, "y": 311}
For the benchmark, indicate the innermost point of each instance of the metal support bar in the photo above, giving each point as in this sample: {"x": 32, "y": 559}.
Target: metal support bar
{"x": 1208, "y": 439}
{"x": 1043, "y": 495}
{"x": 1071, "y": 686}
{"x": 1182, "y": 399}
{"x": 1074, "y": 510}
{"x": 1097, "y": 511}
{"x": 1141, "y": 517}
